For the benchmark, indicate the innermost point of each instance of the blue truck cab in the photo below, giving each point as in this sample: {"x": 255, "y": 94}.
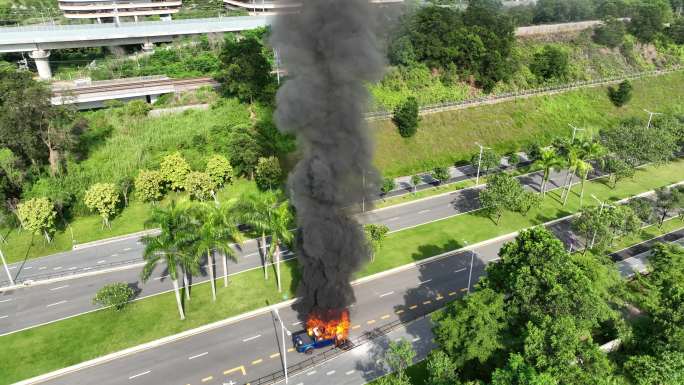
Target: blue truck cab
{"x": 304, "y": 343}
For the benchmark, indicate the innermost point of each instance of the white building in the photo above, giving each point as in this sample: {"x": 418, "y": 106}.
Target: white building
{"x": 114, "y": 10}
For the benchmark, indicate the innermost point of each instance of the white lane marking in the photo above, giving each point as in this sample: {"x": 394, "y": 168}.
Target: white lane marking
{"x": 330, "y": 373}
{"x": 496, "y": 259}
{"x": 350, "y": 372}
{"x": 101, "y": 261}
{"x": 12, "y": 267}
{"x": 251, "y": 338}
{"x": 128, "y": 249}
{"x": 55, "y": 304}
{"x": 386, "y": 294}
{"x": 57, "y": 268}
{"x": 139, "y": 374}
{"x": 311, "y": 373}
{"x": 296, "y": 323}
{"x": 28, "y": 268}
{"x": 423, "y": 211}
{"x": 73, "y": 268}
{"x": 42, "y": 268}
{"x": 3, "y": 316}
{"x": 392, "y": 219}
{"x": 60, "y": 287}
{"x": 6, "y": 300}
{"x": 162, "y": 277}
{"x": 416, "y": 339}
{"x": 460, "y": 270}
{"x": 115, "y": 255}
{"x": 426, "y": 281}
{"x": 198, "y": 356}
{"x": 87, "y": 268}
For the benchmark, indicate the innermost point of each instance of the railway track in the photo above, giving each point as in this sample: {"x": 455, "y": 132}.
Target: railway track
{"x": 175, "y": 83}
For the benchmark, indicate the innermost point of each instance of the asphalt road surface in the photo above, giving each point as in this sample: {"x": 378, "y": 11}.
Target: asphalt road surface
{"x": 36, "y": 305}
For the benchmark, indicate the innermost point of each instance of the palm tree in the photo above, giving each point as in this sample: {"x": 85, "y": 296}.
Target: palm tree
{"x": 214, "y": 234}
{"x": 255, "y": 210}
{"x": 548, "y": 160}
{"x": 168, "y": 246}
{"x": 583, "y": 169}
{"x": 281, "y": 219}
{"x": 572, "y": 157}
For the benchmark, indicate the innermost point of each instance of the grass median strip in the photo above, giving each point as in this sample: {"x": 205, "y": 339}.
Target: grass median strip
{"x": 50, "y": 347}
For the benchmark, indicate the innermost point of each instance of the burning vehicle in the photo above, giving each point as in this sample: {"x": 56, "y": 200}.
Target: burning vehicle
{"x": 329, "y": 328}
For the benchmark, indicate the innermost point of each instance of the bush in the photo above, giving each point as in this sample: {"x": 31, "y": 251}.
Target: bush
{"x": 268, "y": 173}
{"x": 149, "y": 186}
{"x": 621, "y": 95}
{"x": 513, "y": 158}
{"x": 37, "y": 215}
{"x": 103, "y": 198}
{"x": 441, "y": 174}
{"x": 611, "y": 33}
{"x": 219, "y": 170}
{"x": 174, "y": 170}
{"x": 387, "y": 185}
{"x": 550, "y": 63}
{"x": 406, "y": 117}
{"x": 199, "y": 185}
{"x": 115, "y": 295}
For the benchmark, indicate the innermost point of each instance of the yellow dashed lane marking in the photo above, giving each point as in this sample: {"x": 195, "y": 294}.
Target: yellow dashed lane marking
{"x": 413, "y": 307}
{"x": 257, "y": 361}
{"x": 205, "y": 379}
{"x": 290, "y": 350}
{"x": 370, "y": 322}
{"x": 453, "y": 293}
{"x": 399, "y": 311}
{"x": 427, "y": 302}
{"x": 274, "y": 355}
{"x": 356, "y": 326}
{"x": 386, "y": 316}
{"x": 240, "y": 368}
{"x": 464, "y": 289}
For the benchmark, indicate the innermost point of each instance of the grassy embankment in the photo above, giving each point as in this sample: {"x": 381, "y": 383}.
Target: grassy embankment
{"x": 449, "y": 137}
{"x": 67, "y": 342}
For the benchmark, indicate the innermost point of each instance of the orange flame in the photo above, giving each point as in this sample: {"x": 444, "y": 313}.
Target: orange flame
{"x": 327, "y": 324}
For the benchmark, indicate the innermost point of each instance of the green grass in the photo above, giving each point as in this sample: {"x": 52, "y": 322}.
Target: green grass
{"x": 449, "y": 137}
{"x": 648, "y": 233}
{"x": 74, "y": 340}
{"x": 21, "y": 245}
{"x": 417, "y": 374}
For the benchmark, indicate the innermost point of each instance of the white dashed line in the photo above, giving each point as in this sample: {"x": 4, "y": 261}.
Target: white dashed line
{"x": 296, "y": 323}
{"x": 330, "y": 373}
{"x": 3, "y": 316}
{"x": 73, "y": 268}
{"x": 198, "y": 356}
{"x": 350, "y": 372}
{"x": 60, "y": 287}
{"x": 115, "y": 255}
{"x": 251, "y": 338}
{"x": 87, "y": 268}
{"x": 392, "y": 219}
{"x": 55, "y": 304}
{"x": 386, "y": 294}
{"x": 139, "y": 374}
{"x": 101, "y": 261}
{"x": 12, "y": 267}
{"x": 42, "y": 268}
{"x": 311, "y": 373}
{"x": 128, "y": 249}
{"x": 6, "y": 300}
{"x": 460, "y": 270}
{"x": 416, "y": 339}
{"x": 28, "y": 268}
{"x": 57, "y": 268}
{"x": 426, "y": 281}
{"x": 423, "y": 211}
{"x": 162, "y": 277}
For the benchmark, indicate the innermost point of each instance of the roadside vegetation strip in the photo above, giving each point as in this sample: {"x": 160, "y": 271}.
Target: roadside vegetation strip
{"x": 448, "y": 137}
{"x": 39, "y": 350}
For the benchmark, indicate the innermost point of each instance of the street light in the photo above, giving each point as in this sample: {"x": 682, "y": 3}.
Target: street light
{"x": 472, "y": 260}
{"x": 283, "y": 350}
{"x": 4, "y": 263}
{"x": 603, "y": 204}
{"x": 479, "y": 163}
{"x": 650, "y": 117}
{"x": 574, "y": 131}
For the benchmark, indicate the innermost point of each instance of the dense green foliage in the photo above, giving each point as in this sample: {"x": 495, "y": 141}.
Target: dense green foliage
{"x": 37, "y": 216}
{"x": 551, "y": 62}
{"x": 268, "y": 173}
{"x": 149, "y": 185}
{"x": 174, "y": 169}
{"x": 102, "y": 198}
{"x": 219, "y": 170}
{"x": 406, "y": 117}
{"x": 505, "y": 193}
{"x": 620, "y": 95}
{"x": 115, "y": 295}
{"x": 375, "y": 236}
{"x": 441, "y": 174}
{"x": 245, "y": 71}
{"x": 199, "y": 185}
{"x": 611, "y": 33}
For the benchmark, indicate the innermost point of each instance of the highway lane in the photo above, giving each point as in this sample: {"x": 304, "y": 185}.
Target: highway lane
{"x": 28, "y": 307}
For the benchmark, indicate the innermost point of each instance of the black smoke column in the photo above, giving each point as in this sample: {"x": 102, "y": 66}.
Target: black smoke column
{"x": 329, "y": 50}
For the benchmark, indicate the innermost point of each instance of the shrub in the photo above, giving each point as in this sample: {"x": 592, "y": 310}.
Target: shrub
{"x": 115, "y": 295}
{"x": 550, "y": 62}
{"x": 137, "y": 109}
{"x": 199, "y": 185}
{"x": 103, "y": 198}
{"x": 174, "y": 169}
{"x": 513, "y": 158}
{"x": 441, "y": 174}
{"x": 37, "y": 215}
{"x": 611, "y": 33}
{"x": 268, "y": 173}
{"x": 149, "y": 185}
{"x": 219, "y": 170}
{"x": 387, "y": 185}
{"x": 406, "y": 117}
{"x": 621, "y": 95}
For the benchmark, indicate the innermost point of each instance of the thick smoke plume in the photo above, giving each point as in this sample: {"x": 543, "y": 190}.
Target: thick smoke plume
{"x": 330, "y": 50}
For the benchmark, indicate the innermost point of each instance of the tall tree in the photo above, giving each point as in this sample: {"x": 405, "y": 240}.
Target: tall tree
{"x": 246, "y": 71}
{"x": 548, "y": 161}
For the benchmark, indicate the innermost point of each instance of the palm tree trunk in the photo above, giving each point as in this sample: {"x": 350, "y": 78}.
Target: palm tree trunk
{"x": 225, "y": 269}
{"x": 582, "y": 191}
{"x": 178, "y": 298}
{"x": 210, "y": 262}
{"x": 277, "y": 255}
{"x": 567, "y": 190}
{"x": 186, "y": 284}
{"x": 566, "y": 186}
{"x": 264, "y": 256}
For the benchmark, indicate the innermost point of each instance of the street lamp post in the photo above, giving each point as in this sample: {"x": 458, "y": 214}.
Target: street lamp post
{"x": 4, "y": 263}
{"x": 283, "y": 350}
{"x": 479, "y": 163}
{"x": 650, "y": 117}
{"x": 574, "y": 131}
{"x": 603, "y": 204}
{"x": 472, "y": 260}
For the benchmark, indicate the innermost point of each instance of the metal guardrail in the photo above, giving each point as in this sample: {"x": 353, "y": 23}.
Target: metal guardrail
{"x": 383, "y": 114}
{"x": 40, "y": 277}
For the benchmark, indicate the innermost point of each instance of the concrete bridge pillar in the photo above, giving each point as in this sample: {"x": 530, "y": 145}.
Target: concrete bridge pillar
{"x": 148, "y": 47}
{"x": 166, "y": 17}
{"x": 41, "y": 57}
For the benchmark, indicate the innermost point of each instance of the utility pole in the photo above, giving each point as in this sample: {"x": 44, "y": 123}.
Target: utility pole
{"x": 283, "y": 349}
{"x": 4, "y": 263}
{"x": 472, "y": 260}
{"x": 574, "y": 131}
{"x": 277, "y": 64}
{"x": 650, "y": 117}
{"x": 479, "y": 163}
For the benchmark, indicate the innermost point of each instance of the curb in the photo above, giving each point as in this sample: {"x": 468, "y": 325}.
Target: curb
{"x": 79, "y": 246}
